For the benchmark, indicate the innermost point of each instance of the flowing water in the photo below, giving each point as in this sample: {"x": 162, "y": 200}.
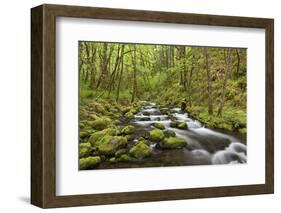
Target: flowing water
{"x": 205, "y": 146}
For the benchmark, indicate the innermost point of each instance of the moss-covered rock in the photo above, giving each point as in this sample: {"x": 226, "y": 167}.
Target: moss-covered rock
{"x": 156, "y": 135}
{"x": 116, "y": 122}
{"x": 101, "y": 123}
{"x": 169, "y": 133}
{"x": 128, "y": 130}
{"x": 124, "y": 110}
{"x": 120, "y": 152}
{"x": 89, "y": 162}
{"x": 129, "y": 115}
{"x": 124, "y": 158}
{"x": 97, "y": 136}
{"x": 108, "y": 145}
{"x": 141, "y": 139}
{"x": 158, "y": 125}
{"x": 84, "y": 150}
{"x": 112, "y": 160}
{"x": 82, "y": 125}
{"x": 174, "y": 124}
{"x": 243, "y": 130}
{"x": 83, "y": 134}
{"x": 93, "y": 116}
{"x": 182, "y": 125}
{"x": 173, "y": 143}
{"x": 98, "y": 107}
{"x": 140, "y": 150}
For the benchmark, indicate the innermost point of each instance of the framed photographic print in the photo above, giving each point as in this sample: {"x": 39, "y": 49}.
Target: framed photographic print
{"x": 136, "y": 106}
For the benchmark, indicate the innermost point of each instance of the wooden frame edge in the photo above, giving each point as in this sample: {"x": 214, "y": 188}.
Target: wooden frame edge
{"x": 43, "y": 174}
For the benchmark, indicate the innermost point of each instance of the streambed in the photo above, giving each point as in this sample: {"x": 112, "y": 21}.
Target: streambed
{"x": 204, "y": 146}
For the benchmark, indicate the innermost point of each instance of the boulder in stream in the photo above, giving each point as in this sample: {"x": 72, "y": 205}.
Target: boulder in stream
{"x": 108, "y": 145}
{"x": 169, "y": 133}
{"x": 129, "y": 115}
{"x": 159, "y": 125}
{"x": 140, "y": 150}
{"x": 173, "y": 143}
{"x": 156, "y": 135}
{"x": 128, "y": 130}
{"x": 97, "y": 136}
{"x": 101, "y": 123}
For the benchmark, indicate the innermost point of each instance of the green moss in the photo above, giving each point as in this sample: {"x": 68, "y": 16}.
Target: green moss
{"x": 128, "y": 130}
{"x": 124, "y": 158}
{"x": 82, "y": 125}
{"x": 159, "y": 125}
{"x": 182, "y": 125}
{"x": 93, "y": 116}
{"x": 129, "y": 115}
{"x": 120, "y": 152}
{"x": 116, "y": 122}
{"x": 174, "y": 124}
{"x": 124, "y": 110}
{"x": 112, "y": 160}
{"x": 84, "y": 149}
{"x": 243, "y": 130}
{"x": 140, "y": 150}
{"x": 156, "y": 135}
{"x": 101, "y": 123}
{"x": 98, "y": 107}
{"x": 141, "y": 139}
{"x": 108, "y": 145}
{"x": 173, "y": 143}
{"x": 89, "y": 162}
{"x": 97, "y": 136}
{"x": 83, "y": 134}
{"x": 169, "y": 133}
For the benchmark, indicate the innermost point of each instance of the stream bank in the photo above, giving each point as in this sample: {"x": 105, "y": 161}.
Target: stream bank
{"x": 153, "y": 136}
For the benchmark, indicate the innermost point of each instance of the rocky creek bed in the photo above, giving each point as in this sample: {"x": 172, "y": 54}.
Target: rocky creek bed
{"x": 148, "y": 135}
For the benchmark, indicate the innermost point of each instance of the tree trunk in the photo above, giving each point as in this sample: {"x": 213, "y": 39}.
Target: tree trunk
{"x": 238, "y": 64}
{"x": 116, "y": 67}
{"x": 93, "y": 68}
{"x": 210, "y": 101}
{"x": 134, "y": 75}
{"x": 120, "y": 79}
{"x": 228, "y": 68}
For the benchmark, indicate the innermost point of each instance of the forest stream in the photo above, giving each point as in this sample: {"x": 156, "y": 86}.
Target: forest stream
{"x": 205, "y": 146}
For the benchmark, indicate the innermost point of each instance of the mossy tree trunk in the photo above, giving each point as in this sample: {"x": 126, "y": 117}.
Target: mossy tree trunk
{"x": 209, "y": 79}
{"x": 227, "y": 74}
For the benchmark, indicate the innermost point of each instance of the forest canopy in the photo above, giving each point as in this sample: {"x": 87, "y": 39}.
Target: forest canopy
{"x": 208, "y": 79}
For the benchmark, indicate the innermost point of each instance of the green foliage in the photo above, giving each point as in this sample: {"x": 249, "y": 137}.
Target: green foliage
{"x": 113, "y": 76}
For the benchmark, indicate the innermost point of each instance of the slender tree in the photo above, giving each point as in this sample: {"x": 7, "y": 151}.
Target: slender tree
{"x": 210, "y": 100}
{"x": 227, "y": 74}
